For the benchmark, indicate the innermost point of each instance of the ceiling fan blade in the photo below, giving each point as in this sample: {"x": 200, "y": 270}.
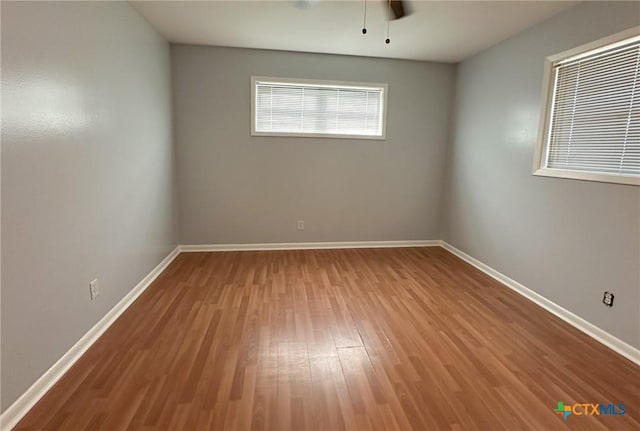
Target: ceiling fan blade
{"x": 399, "y": 9}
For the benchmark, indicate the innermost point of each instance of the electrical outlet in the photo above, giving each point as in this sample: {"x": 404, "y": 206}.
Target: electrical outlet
{"x": 607, "y": 299}
{"x": 94, "y": 289}
{"x": 300, "y": 224}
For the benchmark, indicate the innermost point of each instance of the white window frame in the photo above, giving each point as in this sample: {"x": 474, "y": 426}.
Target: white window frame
{"x": 320, "y": 83}
{"x": 548, "y": 84}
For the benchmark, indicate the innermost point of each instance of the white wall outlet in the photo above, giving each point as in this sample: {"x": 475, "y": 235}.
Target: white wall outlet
{"x": 300, "y": 224}
{"x": 94, "y": 289}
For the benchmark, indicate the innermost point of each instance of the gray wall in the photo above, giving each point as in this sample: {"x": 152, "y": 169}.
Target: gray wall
{"x": 568, "y": 240}
{"x": 234, "y": 188}
{"x": 87, "y": 172}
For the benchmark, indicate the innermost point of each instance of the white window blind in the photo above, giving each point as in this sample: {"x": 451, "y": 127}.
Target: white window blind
{"x": 315, "y": 108}
{"x": 595, "y": 119}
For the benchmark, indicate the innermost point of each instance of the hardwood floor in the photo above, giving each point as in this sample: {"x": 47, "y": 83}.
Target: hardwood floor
{"x": 368, "y": 339}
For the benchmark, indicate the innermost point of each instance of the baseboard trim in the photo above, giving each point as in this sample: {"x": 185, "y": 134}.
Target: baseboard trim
{"x": 307, "y": 245}
{"x": 16, "y": 411}
{"x": 578, "y": 322}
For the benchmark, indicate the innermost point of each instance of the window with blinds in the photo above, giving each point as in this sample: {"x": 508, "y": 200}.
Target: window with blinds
{"x": 592, "y": 128}
{"x": 317, "y": 108}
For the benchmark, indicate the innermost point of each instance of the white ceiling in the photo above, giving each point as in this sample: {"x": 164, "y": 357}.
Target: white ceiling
{"x": 446, "y": 31}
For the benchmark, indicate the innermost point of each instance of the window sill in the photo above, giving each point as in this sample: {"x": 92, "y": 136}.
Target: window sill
{"x": 588, "y": 176}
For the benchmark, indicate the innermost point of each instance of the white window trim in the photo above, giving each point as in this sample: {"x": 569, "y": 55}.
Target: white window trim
{"x": 540, "y": 152}
{"x": 317, "y": 82}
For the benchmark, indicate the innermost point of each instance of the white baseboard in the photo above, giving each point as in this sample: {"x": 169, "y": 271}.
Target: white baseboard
{"x": 16, "y": 411}
{"x": 308, "y": 245}
{"x": 578, "y": 322}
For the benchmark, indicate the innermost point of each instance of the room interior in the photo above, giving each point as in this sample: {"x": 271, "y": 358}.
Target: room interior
{"x": 168, "y": 264}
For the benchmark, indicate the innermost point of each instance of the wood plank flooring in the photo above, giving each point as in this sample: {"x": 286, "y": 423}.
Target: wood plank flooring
{"x": 368, "y": 339}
